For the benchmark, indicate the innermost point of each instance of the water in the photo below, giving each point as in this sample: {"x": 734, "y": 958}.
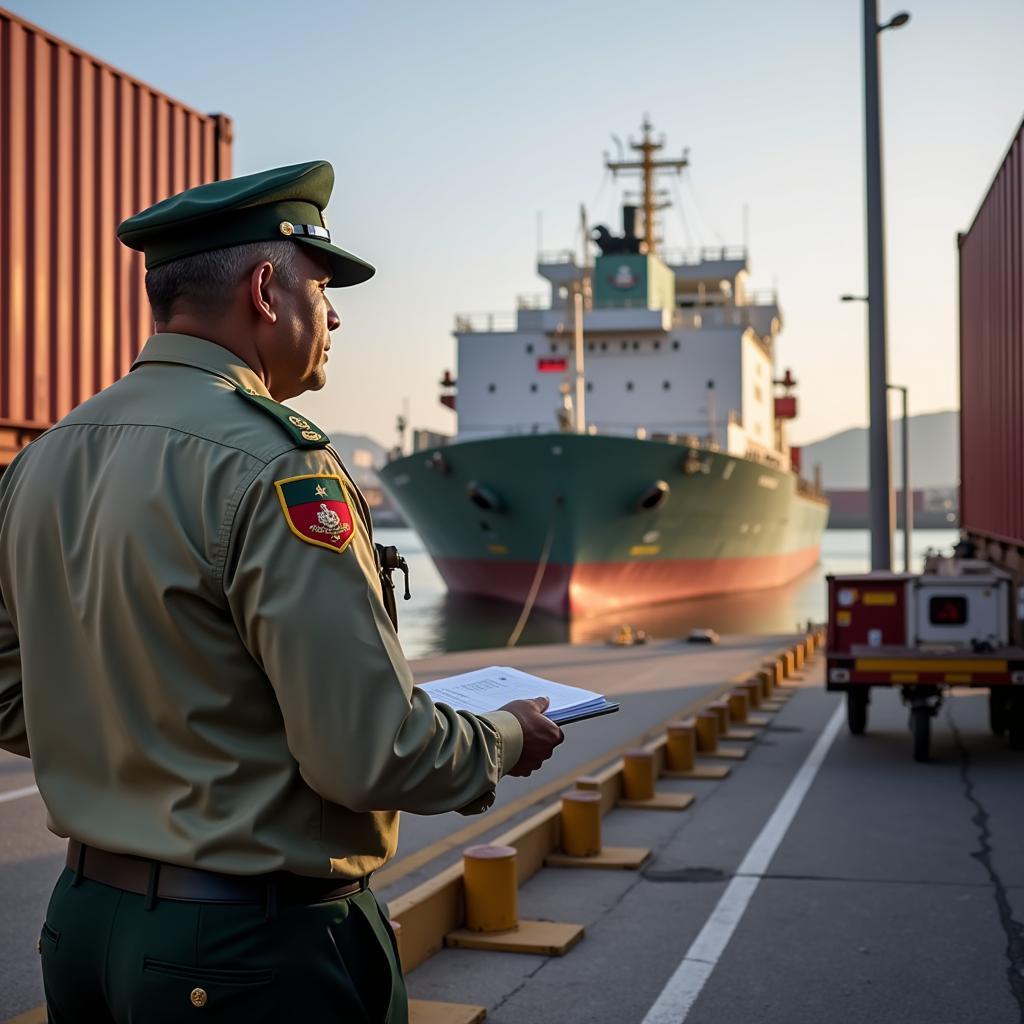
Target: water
{"x": 435, "y": 621}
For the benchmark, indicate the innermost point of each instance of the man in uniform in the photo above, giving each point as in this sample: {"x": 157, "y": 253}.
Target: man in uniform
{"x": 195, "y": 653}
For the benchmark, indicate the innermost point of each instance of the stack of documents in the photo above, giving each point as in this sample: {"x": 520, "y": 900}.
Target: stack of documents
{"x": 487, "y": 689}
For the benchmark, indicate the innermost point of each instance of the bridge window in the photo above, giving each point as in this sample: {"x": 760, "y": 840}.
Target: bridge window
{"x": 636, "y": 345}
{"x": 625, "y": 345}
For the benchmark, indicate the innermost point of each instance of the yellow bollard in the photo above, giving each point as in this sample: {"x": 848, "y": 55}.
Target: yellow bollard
{"x": 721, "y": 708}
{"x": 707, "y": 732}
{"x": 638, "y": 774}
{"x": 798, "y": 655}
{"x": 588, "y": 782}
{"x": 739, "y": 705}
{"x": 753, "y": 688}
{"x": 581, "y": 823}
{"x": 681, "y": 747}
{"x": 491, "y": 888}
{"x": 767, "y": 677}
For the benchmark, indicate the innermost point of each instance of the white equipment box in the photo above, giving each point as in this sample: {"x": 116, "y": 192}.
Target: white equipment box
{"x": 964, "y": 610}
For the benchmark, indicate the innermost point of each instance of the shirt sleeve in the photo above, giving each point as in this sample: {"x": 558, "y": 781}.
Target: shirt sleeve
{"x": 13, "y": 736}
{"x": 307, "y": 604}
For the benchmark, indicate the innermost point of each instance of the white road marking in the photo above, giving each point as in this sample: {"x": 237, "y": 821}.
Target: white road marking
{"x": 681, "y": 991}
{"x": 16, "y": 794}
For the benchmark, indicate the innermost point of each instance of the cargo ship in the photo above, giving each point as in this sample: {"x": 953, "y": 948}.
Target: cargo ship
{"x": 622, "y": 440}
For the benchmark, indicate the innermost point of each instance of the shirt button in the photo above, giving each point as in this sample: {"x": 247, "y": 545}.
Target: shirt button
{"x": 198, "y": 997}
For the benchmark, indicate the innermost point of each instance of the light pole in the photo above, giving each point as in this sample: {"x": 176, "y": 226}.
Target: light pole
{"x": 880, "y": 478}
{"x": 908, "y": 494}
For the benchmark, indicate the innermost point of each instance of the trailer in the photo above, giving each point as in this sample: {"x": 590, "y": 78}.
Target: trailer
{"x": 926, "y": 633}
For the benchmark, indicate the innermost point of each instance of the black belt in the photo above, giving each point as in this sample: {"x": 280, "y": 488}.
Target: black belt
{"x": 157, "y": 880}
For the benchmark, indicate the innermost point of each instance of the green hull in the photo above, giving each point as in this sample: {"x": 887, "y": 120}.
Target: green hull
{"x": 489, "y": 512}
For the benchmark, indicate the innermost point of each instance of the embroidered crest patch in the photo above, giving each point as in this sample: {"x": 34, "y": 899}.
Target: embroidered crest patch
{"x": 317, "y": 510}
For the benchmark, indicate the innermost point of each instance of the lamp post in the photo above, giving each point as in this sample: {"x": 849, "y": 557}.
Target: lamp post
{"x": 880, "y": 477}
{"x": 908, "y": 494}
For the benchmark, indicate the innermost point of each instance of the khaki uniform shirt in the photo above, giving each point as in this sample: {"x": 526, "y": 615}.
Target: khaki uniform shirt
{"x": 195, "y": 680}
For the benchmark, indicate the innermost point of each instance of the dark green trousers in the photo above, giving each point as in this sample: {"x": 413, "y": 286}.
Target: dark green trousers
{"x": 109, "y": 960}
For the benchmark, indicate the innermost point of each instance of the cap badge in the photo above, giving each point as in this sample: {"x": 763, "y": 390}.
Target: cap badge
{"x": 286, "y": 227}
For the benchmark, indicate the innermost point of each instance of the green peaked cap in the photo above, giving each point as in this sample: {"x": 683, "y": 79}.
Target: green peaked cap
{"x": 285, "y": 203}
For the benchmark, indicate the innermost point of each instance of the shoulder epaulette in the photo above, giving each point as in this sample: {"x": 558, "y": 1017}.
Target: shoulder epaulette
{"x": 300, "y": 430}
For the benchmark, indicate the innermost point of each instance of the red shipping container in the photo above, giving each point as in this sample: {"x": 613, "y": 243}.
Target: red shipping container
{"x": 992, "y": 359}
{"x": 82, "y": 146}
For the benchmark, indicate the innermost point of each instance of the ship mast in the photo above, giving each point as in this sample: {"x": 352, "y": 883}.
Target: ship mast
{"x": 647, "y": 165}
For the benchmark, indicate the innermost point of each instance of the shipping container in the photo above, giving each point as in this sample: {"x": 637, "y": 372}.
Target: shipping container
{"x": 992, "y": 360}
{"x": 82, "y": 146}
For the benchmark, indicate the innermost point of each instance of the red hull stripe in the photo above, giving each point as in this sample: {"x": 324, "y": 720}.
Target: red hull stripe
{"x": 596, "y": 588}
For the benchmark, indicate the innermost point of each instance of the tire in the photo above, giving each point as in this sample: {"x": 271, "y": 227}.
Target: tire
{"x": 921, "y": 726}
{"x": 1015, "y": 721}
{"x": 998, "y": 710}
{"x": 857, "y": 710}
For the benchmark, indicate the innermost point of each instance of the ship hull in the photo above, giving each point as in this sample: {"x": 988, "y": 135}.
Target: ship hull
{"x": 566, "y": 518}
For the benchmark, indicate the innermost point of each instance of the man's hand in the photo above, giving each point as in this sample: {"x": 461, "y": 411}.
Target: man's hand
{"x": 540, "y": 734}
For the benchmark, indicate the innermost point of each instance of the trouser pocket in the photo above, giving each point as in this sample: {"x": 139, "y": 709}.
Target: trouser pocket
{"x": 171, "y": 990}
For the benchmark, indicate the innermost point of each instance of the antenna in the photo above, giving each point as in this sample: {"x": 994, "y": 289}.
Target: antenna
{"x": 648, "y": 167}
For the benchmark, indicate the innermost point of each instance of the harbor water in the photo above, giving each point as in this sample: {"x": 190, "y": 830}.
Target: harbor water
{"x": 435, "y": 621}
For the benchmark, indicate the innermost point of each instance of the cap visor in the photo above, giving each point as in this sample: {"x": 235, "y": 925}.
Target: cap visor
{"x": 345, "y": 268}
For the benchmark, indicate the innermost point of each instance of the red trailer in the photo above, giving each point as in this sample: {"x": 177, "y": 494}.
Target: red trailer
{"x": 82, "y": 146}
{"x": 925, "y": 633}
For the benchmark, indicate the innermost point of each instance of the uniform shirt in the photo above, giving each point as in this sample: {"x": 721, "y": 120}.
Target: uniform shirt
{"x": 194, "y": 680}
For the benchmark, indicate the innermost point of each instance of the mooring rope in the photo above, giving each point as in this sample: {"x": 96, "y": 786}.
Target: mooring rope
{"x": 538, "y": 577}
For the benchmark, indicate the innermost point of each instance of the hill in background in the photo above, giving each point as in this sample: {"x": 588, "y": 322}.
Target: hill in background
{"x": 934, "y": 454}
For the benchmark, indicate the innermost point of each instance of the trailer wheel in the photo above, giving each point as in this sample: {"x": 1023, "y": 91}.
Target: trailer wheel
{"x": 857, "y": 710}
{"x": 1015, "y": 721}
{"x": 998, "y": 710}
{"x": 921, "y": 726}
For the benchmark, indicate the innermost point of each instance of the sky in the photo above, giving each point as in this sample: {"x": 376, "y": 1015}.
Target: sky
{"x": 452, "y": 125}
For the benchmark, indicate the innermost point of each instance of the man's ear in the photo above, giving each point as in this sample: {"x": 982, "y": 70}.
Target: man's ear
{"x": 259, "y": 291}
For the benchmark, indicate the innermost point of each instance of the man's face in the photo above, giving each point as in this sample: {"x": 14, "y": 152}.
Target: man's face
{"x": 295, "y": 353}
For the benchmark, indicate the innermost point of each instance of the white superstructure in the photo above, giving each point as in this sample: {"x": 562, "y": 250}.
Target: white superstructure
{"x": 703, "y": 368}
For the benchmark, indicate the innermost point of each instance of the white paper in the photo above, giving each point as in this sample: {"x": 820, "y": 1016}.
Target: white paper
{"x": 487, "y": 689}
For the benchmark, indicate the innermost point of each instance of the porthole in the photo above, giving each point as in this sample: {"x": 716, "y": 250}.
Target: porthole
{"x": 629, "y": 385}
{"x": 675, "y": 345}
{"x": 533, "y": 387}
{"x": 529, "y": 349}
{"x": 492, "y": 388}
{"x": 666, "y": 384}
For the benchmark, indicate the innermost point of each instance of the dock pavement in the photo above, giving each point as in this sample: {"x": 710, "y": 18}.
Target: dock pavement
{"x": 893, "y": 892}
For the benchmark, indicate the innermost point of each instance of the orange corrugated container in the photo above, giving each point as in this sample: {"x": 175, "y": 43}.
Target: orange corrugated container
{"x": 992, "y": 359}
{"x": 82, "y": 146}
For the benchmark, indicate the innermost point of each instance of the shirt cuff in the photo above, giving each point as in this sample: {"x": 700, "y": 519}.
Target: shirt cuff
{"x": 510, "y": 738}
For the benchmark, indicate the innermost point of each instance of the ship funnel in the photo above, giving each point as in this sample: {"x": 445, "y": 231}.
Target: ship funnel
{"x": 629, "y": 222}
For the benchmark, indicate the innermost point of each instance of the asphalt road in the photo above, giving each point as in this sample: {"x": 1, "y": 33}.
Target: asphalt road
{"x": 896, "y": 894}
{"x": 652, "y": 682}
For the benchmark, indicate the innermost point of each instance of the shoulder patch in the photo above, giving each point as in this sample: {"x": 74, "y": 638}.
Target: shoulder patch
{"x": 304, "y": 433}
{"x": 317, "y": 509}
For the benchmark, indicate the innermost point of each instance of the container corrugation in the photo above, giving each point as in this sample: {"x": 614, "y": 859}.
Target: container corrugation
{"x": 82, "y": 146}
{"x": 992, "y": 358}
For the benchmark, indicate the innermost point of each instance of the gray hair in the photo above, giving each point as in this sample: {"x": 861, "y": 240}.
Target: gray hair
{"x": 204, "y": 282}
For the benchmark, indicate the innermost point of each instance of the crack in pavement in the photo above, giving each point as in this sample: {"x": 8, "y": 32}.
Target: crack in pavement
{"x": 1013, "y": 929}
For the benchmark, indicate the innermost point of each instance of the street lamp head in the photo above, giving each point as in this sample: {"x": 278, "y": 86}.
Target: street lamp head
{"x": 896, "y": 21}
